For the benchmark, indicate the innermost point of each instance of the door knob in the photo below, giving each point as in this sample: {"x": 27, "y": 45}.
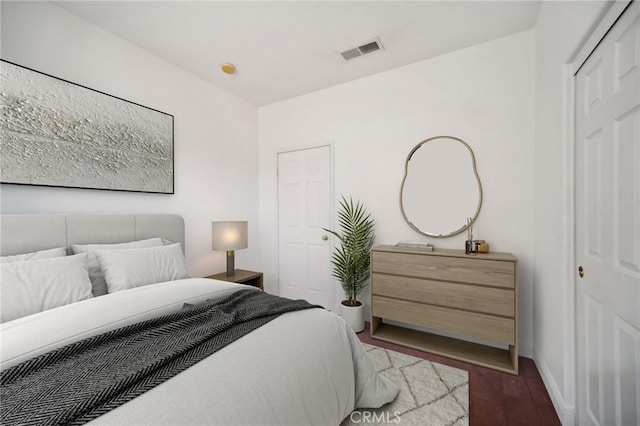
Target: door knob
{"x": 580, "y": 271}
{"x": 325, "y": 238}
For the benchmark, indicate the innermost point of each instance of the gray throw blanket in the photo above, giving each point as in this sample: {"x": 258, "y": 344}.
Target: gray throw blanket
{"x": 86, "y": 379}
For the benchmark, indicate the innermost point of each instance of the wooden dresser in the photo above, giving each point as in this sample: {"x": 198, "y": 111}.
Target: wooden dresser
{"x": 450, "y": 292}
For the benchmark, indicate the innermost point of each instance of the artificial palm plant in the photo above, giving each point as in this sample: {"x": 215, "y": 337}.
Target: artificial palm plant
{"x": 351, "y": 258}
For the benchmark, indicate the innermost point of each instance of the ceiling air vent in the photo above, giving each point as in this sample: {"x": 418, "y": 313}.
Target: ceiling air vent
{"x": 365, "y": 49}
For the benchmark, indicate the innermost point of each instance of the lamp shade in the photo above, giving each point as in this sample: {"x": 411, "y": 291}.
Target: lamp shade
{"x": 229, "y": 235}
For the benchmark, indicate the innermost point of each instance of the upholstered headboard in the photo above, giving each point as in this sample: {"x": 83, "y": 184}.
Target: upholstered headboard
{"x": 26, "y": 233}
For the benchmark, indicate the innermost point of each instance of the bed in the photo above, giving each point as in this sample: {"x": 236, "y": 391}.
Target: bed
{"x": 302, "y": 367}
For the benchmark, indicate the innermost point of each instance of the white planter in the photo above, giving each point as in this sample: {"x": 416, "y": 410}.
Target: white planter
{"x": 354, "y": 316}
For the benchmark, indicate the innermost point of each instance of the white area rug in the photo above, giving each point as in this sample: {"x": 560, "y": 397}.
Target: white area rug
{"x": 431, "y": 394}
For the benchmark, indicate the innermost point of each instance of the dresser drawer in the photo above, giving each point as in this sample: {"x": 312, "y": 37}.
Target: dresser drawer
{"x": 495, "y": 329}
{"x": 444, "y": 268}
{"x": 495, "y": 301}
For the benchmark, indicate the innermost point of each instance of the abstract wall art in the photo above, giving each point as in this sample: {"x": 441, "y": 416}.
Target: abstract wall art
{"x": 57, "y": 133}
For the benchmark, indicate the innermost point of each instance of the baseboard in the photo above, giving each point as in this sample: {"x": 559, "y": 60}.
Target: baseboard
{"x": 566, "y": 412}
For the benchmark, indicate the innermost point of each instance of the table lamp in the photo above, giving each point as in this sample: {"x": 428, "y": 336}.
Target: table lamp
{"x": 229, "y": 236}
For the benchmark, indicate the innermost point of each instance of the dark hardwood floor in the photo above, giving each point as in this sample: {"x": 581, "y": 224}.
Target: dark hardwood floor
{"x": 495, "y": 398}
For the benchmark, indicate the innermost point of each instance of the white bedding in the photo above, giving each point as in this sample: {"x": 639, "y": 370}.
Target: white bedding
{"x": 304, "y": 367}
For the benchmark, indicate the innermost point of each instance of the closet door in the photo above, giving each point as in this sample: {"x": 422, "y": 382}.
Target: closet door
{"x": 608, "y": 227}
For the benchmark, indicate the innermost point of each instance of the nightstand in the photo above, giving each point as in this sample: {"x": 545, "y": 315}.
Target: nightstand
{"x": 241, "y": 277}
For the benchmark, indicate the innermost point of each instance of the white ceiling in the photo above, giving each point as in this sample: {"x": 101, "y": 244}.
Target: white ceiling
{"x": 285, "y": 49}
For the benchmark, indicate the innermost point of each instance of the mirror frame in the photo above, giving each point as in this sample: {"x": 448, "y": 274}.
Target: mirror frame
{"x": 475, "y": 172}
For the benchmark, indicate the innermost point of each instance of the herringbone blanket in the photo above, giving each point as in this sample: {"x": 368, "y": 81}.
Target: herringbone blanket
{"x": 86, "y": 379}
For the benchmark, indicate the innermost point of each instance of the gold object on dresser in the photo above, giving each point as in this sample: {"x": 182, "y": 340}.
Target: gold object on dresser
{"x": 450, "y": 292}
{"x": 482, "y": 246}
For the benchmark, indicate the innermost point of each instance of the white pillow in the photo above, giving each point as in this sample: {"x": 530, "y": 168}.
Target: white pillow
{"x": 41, "y": 254}
{"x": 125, "y": 269}
{"x": 37, "y": 285}
{"x": 95, "y": 274}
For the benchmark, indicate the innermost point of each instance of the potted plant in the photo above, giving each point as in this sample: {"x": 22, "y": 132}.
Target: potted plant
{"x": 351, "y": 258}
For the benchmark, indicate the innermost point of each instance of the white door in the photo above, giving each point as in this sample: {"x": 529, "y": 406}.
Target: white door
{"x": 607, "y": 114}
{"x": 304, "y": 208}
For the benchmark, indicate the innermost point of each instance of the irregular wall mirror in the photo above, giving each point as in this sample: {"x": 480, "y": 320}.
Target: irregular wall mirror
{"x": 441, "y": 187}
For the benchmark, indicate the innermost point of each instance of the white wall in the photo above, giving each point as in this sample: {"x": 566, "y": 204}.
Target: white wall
{"x": 216, "y": 154}
{"x": 482, "y": 94}
{"x": 561, "y": 29}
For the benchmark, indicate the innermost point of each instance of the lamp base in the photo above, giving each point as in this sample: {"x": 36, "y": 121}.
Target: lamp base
{"x": 231, "y": 268}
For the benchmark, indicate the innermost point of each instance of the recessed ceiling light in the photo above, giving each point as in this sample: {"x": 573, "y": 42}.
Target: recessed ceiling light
{"x": 228, "y": 68}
